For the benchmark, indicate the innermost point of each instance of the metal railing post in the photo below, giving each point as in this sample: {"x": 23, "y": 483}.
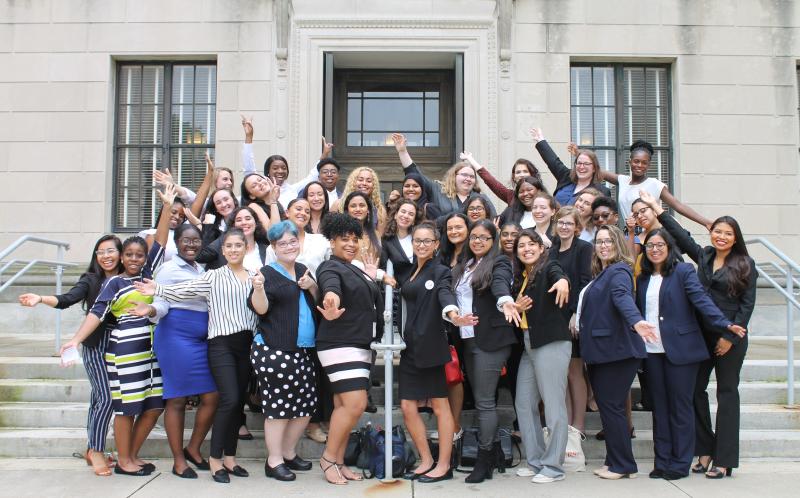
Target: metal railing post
{"x": 388, "y": 347}
{"x": 790, "y": 338}
{"x": 59, "y": 276}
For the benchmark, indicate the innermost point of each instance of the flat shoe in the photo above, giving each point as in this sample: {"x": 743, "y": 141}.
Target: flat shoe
{"x": 237, "y": 471}
{"x": 613, "y": 476}
{"x": 280, "y": 472}
{"x": 221, "y": 476}
{"x": 425, "y": 478}
{"x": 138, "y": 473}
{"x": 414, "y": 475}
{"x": 672, "y": 476}
{"x": 656, "y": 474}
{"x": 245, "y": 437}
{"x": 600, "y": 469}
{"x": 201, "y": 465}
{"x": 149, "y": 467}
{"x": 298, "y": 463}
{"x": 187, "y": 473}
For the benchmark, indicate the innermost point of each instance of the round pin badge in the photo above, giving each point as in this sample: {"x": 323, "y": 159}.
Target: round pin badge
{"x": 429, "y": 284}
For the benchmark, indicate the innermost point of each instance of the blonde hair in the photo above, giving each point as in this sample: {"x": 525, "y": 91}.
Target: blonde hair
{"x": 620, "y": 248}
{"x": 570, "y": 211}
{"x": 374, "y": 196}
{"x": 449, "y": 181}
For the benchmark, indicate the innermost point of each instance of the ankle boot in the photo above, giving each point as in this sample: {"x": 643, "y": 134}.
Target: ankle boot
{"x": 499, "y": 459}
{"x": 484, "y": 466}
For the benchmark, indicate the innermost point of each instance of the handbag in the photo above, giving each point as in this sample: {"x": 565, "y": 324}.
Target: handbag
{"x": 577, "y": 461}
{"x": 403, "y": 456}
{"x": 353, "y": 449}
{"x": 469, "y": 449}
{"x": 452, "y": 369}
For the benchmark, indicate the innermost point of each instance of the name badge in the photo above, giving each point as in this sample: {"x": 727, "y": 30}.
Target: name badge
{"x": 429, "y": 285}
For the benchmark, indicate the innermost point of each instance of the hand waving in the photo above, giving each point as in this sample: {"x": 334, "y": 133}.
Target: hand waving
{"x": 536, "y": 134}
{"x": 146, "y": 287}
{"x": 561, "y": 288}
{"x": 400, "y": 143}
{"x": 168, "y": 195}
{"x": 330, "y": 307}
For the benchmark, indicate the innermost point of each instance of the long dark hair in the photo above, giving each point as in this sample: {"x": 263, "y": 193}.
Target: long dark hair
{"x": 96, "y": 274}
{"x": 532, "y": 169}
{"x": 519, "y": 266}
{"x": 738, "y": 260}
{"x": 391, "y": 226}
{"x": 447, "y": 249}
{"x": 325, "y": 207}
{"x": 369, "y": 222}
{"x": 673, "y": 257}
{"x": 482, "y": 275}
{"x": 259, "y": 234}
{"x": 271, "y": 159}
{"x": 517, "y": 207}
{"x": 212, "y": 209}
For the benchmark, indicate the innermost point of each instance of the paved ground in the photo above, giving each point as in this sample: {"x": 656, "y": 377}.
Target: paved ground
{"x": 71, "y": 478}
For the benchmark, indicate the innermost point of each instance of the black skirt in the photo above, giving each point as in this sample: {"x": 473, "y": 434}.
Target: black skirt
{"x": 420, "y": 383}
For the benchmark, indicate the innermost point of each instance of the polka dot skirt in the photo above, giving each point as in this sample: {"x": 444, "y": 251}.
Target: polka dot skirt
{"x": 286, "y": 382}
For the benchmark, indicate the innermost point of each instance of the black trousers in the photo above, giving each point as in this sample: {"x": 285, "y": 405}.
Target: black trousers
{"x": 724, "y": 445}
{"x": 229, "y": 360}
{"x": 611, "y": 383}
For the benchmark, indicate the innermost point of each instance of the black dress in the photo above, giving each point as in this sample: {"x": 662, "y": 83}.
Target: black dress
{"x": 421, "y": 372}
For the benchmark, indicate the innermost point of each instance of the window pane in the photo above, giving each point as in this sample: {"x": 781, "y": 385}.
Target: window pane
{"x": 182, "y": 84}
{"x": 181, "y": 124}
{"x": 432, "y": 115}
{"x": 151, "y": 123}
{"x": 581, "y": 86}
{"x": 417, "y": 95}
{"x": 353, "y": 114}
{"x": 431, "y": 95}
{"x": 605, "y": 126}
{"x": 634, "y": 125}
{"x": 603, "y": 86}
{"x": 634, "y": 86}
{"x": 393, "y": 114}
{"x": 152, "y": 85}
{"x": 354, "y": 139}
{"x": 377, "y": 140}
{"x": 431, "y": 140}
{"x": 659, "y": 166}
{"x": 415, "y": 139}
{"x": 188, "y": 165}
{"x": 130, "y": 81}
{"x": 205, "y": 85}
{"x": 204, "y": 125}
{"x": 581, "y": 120}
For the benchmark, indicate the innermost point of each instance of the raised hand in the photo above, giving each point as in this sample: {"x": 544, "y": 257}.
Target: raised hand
{"x": 330, "y": 307}
{"x": 536, "y": 134}
{"x": 209, "y": 219}
{"x": 327, "y": 148}
{"x": 572, "y": 148}
{"x": 370, "y": 264}
{"x": 463, "y": 320}
{"x": 648, "y": 199}
{"x": 258, "y": 281}
{"x": 646, "y": 330}
{"x": 168, "y": 195}
{"x": 273, "y": 192}
{"x": 247, "y": 125}
{"x": 139, "y": 308}
{"x": 511, "y": 313}
{"x": 30, "y": 300}
{"x": 162, "y": 178}
{"x": 209, "y": 163}
{"x": 190, "y": 217}
{"x": 306, "y": 281}
{"x": 467, "y": 156}
{"x": 146, "y": 287}
{"x": 561, "y": 288}
{"x": 394, "y": 195}
{"x": 523, "y": 303}
{"x": 400, "y": 143}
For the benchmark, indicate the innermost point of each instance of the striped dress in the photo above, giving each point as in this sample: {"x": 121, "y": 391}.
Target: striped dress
{"x": 133, "y": 374}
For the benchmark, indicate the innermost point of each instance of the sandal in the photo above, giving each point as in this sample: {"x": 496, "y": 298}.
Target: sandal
{"x": 322, "y": 462}
{"x": 716, "y": 473}
{"x": 355, "y": 477}
{"x": 699, "y": 468}
{"x": 102, "y": 471}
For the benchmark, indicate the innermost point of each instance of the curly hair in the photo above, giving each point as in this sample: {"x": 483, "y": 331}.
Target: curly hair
{"x": 374, "y": 196}
{"x": 340, "y": 224}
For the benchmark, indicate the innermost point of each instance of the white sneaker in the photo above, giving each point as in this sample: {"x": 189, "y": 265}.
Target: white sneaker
{"x": 458, "y": 434}
{"x": 526, "y": 472}
{"x": 543, "y": 479}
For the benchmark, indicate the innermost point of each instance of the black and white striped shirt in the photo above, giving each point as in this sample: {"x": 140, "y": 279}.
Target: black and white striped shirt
{"x": 226, "y": 296}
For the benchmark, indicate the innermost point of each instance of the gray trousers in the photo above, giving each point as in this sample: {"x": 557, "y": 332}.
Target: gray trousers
{"x": 542, "y": 376}
{"x": 483, "y": 370}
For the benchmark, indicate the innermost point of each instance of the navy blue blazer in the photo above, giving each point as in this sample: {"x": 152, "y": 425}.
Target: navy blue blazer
{"x": 680, "y": 295}
{"x": 608, "y": 315}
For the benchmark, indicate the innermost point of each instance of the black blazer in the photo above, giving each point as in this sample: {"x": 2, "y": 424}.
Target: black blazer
{"x": 424, "y": 316}
{"x": 560, "y": 171}
{"x": 546, "y": 321}
{"x": 278, "y": 326}
{"x": 576, "y": 262}
{"x": 87, "y": 288}
{"x": 391, "y": 250}
{"x": 493, "y": 332}
{"x": 737, "y": 309}
{"x": 362, "y": 321}
{"x": 211, "y": 254}
{"x": 608, "y": 316}
{"x": 679, "y": 297}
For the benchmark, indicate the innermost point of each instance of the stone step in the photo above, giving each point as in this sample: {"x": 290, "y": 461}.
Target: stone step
{"x": 59, "y": 442}
{"x": 73, "y": 415}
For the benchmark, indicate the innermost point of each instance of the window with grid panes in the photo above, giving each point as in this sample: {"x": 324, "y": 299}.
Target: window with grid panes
{"x": 613, "y": 105}
{"x": 165, "y": 118}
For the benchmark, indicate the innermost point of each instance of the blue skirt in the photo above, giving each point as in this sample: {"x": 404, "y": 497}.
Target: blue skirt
{"x": 181, "y": 346}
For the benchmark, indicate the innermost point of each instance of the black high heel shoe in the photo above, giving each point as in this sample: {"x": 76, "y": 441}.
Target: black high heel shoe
{"x": 698, "y": 468}
{"x": 715, "y": 473}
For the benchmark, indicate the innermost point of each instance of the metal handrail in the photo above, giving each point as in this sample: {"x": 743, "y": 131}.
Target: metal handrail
{"x": 791, "y": 303}
{"x": 59, "y": 264}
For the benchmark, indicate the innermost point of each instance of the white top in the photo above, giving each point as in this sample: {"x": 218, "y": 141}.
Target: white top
{"x": 587, "y": 235}
{"x": 316, "y": 249}
{"x": 527, "y": 220}
{"x": 333, "y": 196}
{"x": 464, "y": 298}
{"x": 289, "y": 191}
{"x": 226, "y": 296}
{"x": 629, "y": 193}
{"x": 652, "y": 312}
{"x": 174, "y": 272}
{"x": 252, "y": 260}
{"x": 405, "y": 243}
{"x": 580, "y": 305}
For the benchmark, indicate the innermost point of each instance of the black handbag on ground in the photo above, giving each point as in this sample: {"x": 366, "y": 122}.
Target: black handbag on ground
{"x": 469, "y": 448}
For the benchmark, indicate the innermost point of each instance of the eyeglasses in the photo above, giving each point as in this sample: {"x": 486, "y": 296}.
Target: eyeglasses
{"x": 287, "y": 243}
{"x": 601, "y": 216}
{"x": 640, "y": 212}
{"x": 107, "y": 252}
{"x": 191, "y": 242}
{"x": 466, "y": 175}
{"x": 650, "y": 246}
{"x": 603, "y": 242}
{"x": 482, "y": 238}
{"x": 565, "y": 224}
{"x": 423, "y": 242}
{"x": 328, "y": 172}
{"x": 582, "y": 163}
{"x": 476, "y": 209}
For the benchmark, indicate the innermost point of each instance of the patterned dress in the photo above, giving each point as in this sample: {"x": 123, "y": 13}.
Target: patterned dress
{"x": 133, "y": 374}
